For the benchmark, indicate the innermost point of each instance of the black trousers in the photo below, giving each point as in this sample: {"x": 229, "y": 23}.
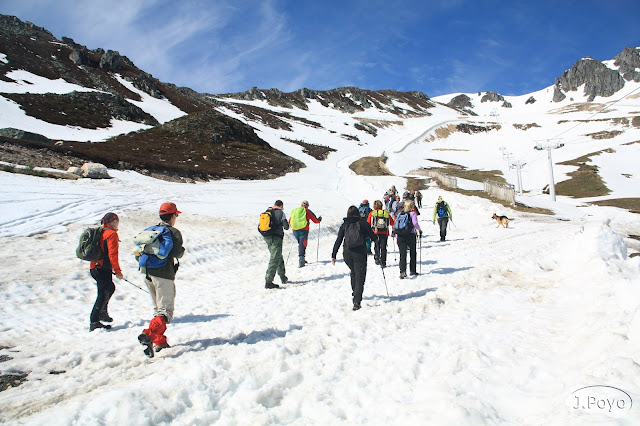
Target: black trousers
{"x": 443, "y": 221}
{"x": 407, "y": 242}
{"x": 381, "y": 249}
{"x": 357, "y": 263}
{"x": 106, "y": 288}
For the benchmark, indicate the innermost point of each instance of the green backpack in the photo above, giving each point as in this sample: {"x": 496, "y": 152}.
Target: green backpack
{"x": 298, "y": 218}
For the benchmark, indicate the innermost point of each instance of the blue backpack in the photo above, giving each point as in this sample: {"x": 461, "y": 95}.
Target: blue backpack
{"x": 403, "y": 225}
{"x": 442, "y": 209}
{"x": 154, "y": 245}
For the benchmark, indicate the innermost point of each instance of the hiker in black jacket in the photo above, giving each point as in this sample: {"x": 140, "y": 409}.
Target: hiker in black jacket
{"x": 354, "y": 231}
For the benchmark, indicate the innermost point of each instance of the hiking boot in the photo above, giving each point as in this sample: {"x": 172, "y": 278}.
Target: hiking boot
{"x": 403, "y": 275}
{"x": 302, "y": 263}
{"x": 158, "y": 348}
{"x": 271, "y": 285}
{"x": 146, "y": 341}
{"x": 104, "y": 316}
{"x": 95, "y": 325}
{"x": 383, "y": 265}
{"x": 284, "y": 279}
{"x": 356, "y": 306}
{"x": 377, "y": 261}
{"x": 413, "y": 273}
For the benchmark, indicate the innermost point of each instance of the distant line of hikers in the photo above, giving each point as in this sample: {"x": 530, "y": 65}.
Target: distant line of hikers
{"x": 159, "y": 247}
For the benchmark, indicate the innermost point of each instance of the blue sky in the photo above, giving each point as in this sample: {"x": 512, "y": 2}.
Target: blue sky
{"x": 436, "y": 47}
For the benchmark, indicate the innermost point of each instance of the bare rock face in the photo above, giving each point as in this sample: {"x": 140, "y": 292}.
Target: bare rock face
{"x": 597, "y": 78}
{"x": 628, "y": 62}
{"x": 95, "y": 171}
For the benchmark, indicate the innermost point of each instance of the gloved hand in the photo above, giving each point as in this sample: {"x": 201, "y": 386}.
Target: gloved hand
{"x": 319, "y": 218}
{"x": 420, "y": 234}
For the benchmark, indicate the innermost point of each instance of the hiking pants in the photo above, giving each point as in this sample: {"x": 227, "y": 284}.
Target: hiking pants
{"x": 106, "y": 288}
{"x": 163, "y": 295}
{"x": 407, "y": 242}
{"x": 443, "y": 221}
{"x": 357, "y": 263}
{"x": 301, "y": 235}
{"x": 381, "y": 249}
{"x": 276, "y": 262}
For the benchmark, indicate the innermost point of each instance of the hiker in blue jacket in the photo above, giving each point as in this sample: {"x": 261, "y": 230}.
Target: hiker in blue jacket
{"x": 406, "y": 236}
{"x": 354, "y": 232}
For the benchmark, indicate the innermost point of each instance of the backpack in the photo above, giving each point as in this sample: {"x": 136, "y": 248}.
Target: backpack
{"x": 441, "y": 208}
{"x": 153, "y": 245}
{"x": 353, "y": 237}
{"x": 265, "y": 224}
{"x": 380, "y": 220}
{"x": 404, "y": 225}
{"x": 298, "y": 218}
{"x": 364, "y": 210}
{"x": 89, "y": 245}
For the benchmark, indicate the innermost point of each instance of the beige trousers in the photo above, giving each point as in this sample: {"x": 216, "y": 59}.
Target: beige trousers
{"x": 163, "y": 295}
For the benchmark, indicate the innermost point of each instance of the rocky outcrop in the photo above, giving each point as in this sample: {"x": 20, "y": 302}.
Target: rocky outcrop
{"x": 80, "y": 56}
{"x": 111, "y": 61}
{"x": 495, "y": 97}
{"x": 18, "y": 134}
{"x": 147, "y": 84}
{"x": 530, "y": 101}
{"x": 628, "y": 63}
{"x": 95, "y": 171}
{"x": 597, "y": 78}
{"x": 347, "y": 99}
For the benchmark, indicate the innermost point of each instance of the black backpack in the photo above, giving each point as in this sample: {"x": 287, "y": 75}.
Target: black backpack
{"x": 353, "y": 237}
{"x": 89, "y": 244}
{"x": 441, "y": 208}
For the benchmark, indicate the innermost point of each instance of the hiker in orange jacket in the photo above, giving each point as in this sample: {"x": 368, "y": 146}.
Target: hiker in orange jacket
{"x": 299, "y": 220}
{"x": 101, "y": 271}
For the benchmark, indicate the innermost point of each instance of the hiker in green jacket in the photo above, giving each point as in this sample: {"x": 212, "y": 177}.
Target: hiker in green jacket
{"x": 299, "y": 220}
{"x": 443, "y": 212}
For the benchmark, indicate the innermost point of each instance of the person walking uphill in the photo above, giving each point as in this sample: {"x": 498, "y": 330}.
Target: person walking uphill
{"x": 299, "y": 221}
{"x": 101, "y": 271}
{"x": 405, "y": 229}
{"x": 354, "y": 232}
{"x": 160, "y": 280}
{"x": 379, "y": 220}
{"x": 443, "y": 212}
{"x": 273, "y": 237}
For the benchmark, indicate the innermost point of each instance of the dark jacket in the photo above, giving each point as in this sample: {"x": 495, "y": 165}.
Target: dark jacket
{"x": 279, "y": 221}
{"x": 168, "y": 271}
{"x": 364, "y": 228}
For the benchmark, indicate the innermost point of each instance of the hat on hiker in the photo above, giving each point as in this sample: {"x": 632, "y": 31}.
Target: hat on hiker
{"x": 305, "y": 203}
{"x": 169, "y": 208}
{"x": 108, "y": 218}
{"x": 365, "y": 201}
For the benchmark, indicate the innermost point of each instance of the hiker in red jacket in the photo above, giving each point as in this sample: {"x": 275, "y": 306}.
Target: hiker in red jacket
{"x": 101, "y": 271}
{"x": 299, "y": 220}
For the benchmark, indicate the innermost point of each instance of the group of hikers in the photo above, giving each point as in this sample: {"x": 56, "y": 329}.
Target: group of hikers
{"x": 362, "y": 227}
{"x": 159, "y": 272}
{"x": 158, "y": 254}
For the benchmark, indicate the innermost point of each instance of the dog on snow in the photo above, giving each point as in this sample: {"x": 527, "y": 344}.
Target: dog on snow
{"x": 502, "y": 220}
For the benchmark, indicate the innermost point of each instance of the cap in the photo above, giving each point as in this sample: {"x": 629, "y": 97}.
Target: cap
{"x": 168, "y": 208}
{"x": 365, "y": 201}
{"x": 108, "y": 218}
{"x": 305, "y": 203}
{"x": 440, "y": 197}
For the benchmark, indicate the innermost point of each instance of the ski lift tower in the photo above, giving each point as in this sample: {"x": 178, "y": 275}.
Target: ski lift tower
{"x": 518, "y": 165}
{"x": 550, "y": 144}
{"x": 495, "y": 114}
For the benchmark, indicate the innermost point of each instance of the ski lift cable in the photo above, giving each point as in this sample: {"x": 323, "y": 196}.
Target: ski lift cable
{"x": 598, "y": 112}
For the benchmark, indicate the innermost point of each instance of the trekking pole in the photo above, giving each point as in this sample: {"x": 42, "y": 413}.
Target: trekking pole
{"x": 384, "y": 279}
{"x": 395, "y": 257}
{"x": 124, "y": 279}
{"x": 420, "y": 254}
{"x": 289, "y": 254}
{"x": 318, "y": 249}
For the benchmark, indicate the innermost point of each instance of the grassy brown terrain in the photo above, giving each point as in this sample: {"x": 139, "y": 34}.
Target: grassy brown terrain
{"x": 319, "y": 152}
{"x": 371, "y": 166}
{"x": 585, "y": 182}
